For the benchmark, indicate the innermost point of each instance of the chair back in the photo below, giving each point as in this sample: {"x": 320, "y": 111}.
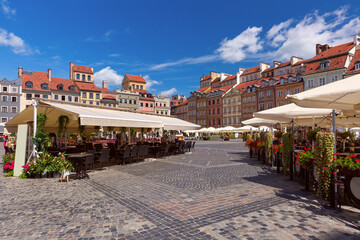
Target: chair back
{"x": 127, "y": 152}
{"x": 134, "y": 151}
{"x": 104, "y": 156}
{"x": 111, "y": 146}
{"x": 167, "y": 147}
{"x": 89, "y": 146}
{"x": 90, "y": 159}
{"x": 98, "y": 147}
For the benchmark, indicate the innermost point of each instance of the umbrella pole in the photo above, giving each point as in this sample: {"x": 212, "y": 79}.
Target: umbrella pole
{"x": 272, "y": 144}
{"x": 292, "y": 152}
{"x": 333, "y": 199}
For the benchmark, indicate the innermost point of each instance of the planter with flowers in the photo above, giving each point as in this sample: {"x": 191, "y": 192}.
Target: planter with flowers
{"x": 8, "y": 164}
{"x": 305, "y": 160}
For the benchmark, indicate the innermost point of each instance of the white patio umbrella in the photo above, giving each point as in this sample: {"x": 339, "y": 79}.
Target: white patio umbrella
{"x": 227, "y": 129}
{"x": 244, "y": 129}
{"x": 341, "y": 95}
{"x": 259, "y": 122}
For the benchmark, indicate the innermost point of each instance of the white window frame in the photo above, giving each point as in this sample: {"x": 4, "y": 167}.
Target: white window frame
{"x": 12, "y": 107}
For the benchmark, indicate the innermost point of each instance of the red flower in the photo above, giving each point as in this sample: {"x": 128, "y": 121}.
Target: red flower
{"x": 354, "y": 155}
{"x": 356, "y": 160}
{"x": 324, "y": 168}
{"x": 334, "y": 173}
{"x": 336, "y": 182}
{"x": 324, "y": 178}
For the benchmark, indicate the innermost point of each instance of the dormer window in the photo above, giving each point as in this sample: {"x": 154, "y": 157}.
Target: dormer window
{"x": 29, "y": 84}
{"x": 72, "y": 88}
{"x": 298, "y": 77}
{"x": 249, "y": 90}
{"x": 282, "y": 81}
{"x": 325, "y": 64}
{"x": 44, "y": 86}
{"x": 357, "y": 66}
{"x": 60, "y": 87}
{"x": 290, "y": 79}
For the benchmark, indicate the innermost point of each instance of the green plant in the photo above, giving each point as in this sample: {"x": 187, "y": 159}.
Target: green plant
{"x": 350, "y": 162}
{"x": 132, "y": 131}
{"x": 299, "y": 138}
{"x": 311, "y": 134}
{"x": 278, "y": 134}
{"x": 9, "y": 174}
{"x": 262, "y": 136}
{"x": 305, "y": 158}
{"x": 324, "y": 153}
{"x": 8, "y": 157}
{"x": 287, "y": 140}
{"x": 268, "y": 145}
{"x": 42, "y": 138}
{"x": 256, "y": 137}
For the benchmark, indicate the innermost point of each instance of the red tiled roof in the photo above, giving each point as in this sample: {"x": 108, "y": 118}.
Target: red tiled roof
{"x": 175, "y": 103}
{"x": 356, "y": 59}
{"x": 230, "y": 77}
{"x": 183, "y": 103}
{"x": 141, "y": 91}
{"x": 147, "y": 99}
{"x": 65, "y": 82}
{"x": 37, "y": 78}
{"x": 82, "y": 69}
{"x": 104, "y": 90}
{"x": 301, "y": 62}
{"x": 336, "y": 62}
{"x": 87, "y": 86}
{"x": 109, "y": 97}
{"x": 205, "y": 78}
{"x": 135, "y": 78}
{"x": 202, "y": 89}
{"x": 285, "y": 64}
{"x": 251, "y": 70}
{"x": 242, "y": 86}
{"x": 268, "y": 70}
{"x": 333, "y": 51}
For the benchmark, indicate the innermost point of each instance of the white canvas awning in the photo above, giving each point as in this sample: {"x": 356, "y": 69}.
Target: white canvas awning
{"x": 95, "y": 116}
{"x": 342, "y": 95}
{"x": 259, "y": 122}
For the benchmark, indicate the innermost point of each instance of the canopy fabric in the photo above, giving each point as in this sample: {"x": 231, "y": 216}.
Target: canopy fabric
{"x": 259, "y": 122}
{"x": 244, "y": 129}
{"x": 93, "y": 116}
{"x": 341, "y": 95}
{"x": 226, "y": 129}
{"x": 291, "y": 111}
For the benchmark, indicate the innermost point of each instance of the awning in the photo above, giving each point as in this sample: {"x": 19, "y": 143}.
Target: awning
{"x": 256, "y": 122}
{"x": 341, "y": 95}
{"x": 95, "y": 116}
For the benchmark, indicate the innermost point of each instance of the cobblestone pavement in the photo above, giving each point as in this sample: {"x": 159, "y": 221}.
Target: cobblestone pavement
{"x": 215, "y": 192}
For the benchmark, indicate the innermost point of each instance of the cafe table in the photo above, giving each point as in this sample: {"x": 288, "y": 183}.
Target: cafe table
{"x": 78, "y": 159}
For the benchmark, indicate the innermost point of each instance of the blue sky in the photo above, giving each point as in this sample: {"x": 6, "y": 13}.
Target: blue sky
{"x": 171, "y": 43}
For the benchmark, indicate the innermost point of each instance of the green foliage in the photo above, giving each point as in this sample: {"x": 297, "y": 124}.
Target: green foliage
{"x": 256, "y": 137}
{"x": 287, "y": 140}
{"x": 23, "y": 175}
{"x": 248, "y": 136}
{"x": 268, "y": 145}
{"x": 132, "y": 131}
{"x": 305, "y": 158}
{"x": 278, "y": 134}
{"x": 42, "y": 138}
{"x": 8, "y": 157}
{"x": 311, "y": 134}
{"x": 262, "y": 136}
{"x": 63, "y": 121}
{"x": 123, "y": 130}
{"x": 9, "y": 174}
{"x": 324, "y": 153}
{"x": 232, "y": 136}
{"x": 350, "y": 162}
{"x": 299, "y": 138}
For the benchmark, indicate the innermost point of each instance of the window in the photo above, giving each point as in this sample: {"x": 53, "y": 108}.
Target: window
{"x": 29, "y": 84}
{"x": 97, "y": 103}
{"x": 125, "y": 101}
{"x": 91, "y": 102}
{"x": 209, "y": 112}
{"x": 357, "y": 66}
{"x": 37, "y": 95}
{"x": 98, "y": 96}
{"x": 69, "y": 98}
{"x": 229, "y": 120}
{"x": 83, "y": 95}
{"x": 84, "y": 102}
{"x": 5, "y": 89}
{"x": 72, "y": 88}
{"x": 269, "y": 93}
{"x": 13, "y": 99}
{"x": 218, "y": 111}
{"x": 141, "y": 87}
{"x": 224, "y": 111}
{"x": 282, "y": 81}
{"x": 130, "y": 101}
{"x": 146, "y": 105}
{"x": 213, "y": 111}
{"x": 297, "y": 90}
{"x": 78, "y": 76}
{"x": 120, "y": 100}
{"x": 4, "y": 109}
{"x": 244, "y": 100}
{"x": 151, "y": 105}
{"x": 298, "y": 77}
{"x": 334, "y": 79}
{"x": 56, "y": 97}
{"x": 280, "y": 93}
{"x": 141, "y": 104}
{"x": 249, "y": 99}
{"x": 133, "y": 86}
{"x": 225, "y": 121}
{"x": 209, "y": 102}
{"x": 45, "y": 96}
{"x": 134, "y": 101}
{"x": 76, "y": 99}
{"x": 60, "y": 86}
{"x": 91, "y": 95}
{"x": 281, "y": 72}
{"x": 254, "y": 99}
{"x": 213, "y": 102}
{"x": 89, "y": 78}
{"x": 14, "y": 90}
{"x": 14, "y": 109}
{"x": 261, "y": 94}
{"x": 63, "y": 98}
{"x": 3, "y": 120}
{"x": 269, "y": 105}
{"x": 288, "y": 92}
{"x": 83, "y": 77}
{"x": 137, "y": 86}
{"x": 324, "y": 65}
{"x": 280, "y": 103}
{"x": 261, "y": 106}
{"x": 44, "y": 86}
{"x": 311, "y": 83}
{"x": 321, "y": 81}
{"x": 218, "y": 101}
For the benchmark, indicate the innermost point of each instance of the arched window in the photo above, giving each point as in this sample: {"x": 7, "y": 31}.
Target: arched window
{"x": 29, "y": 84}
{"x": 72, "y": 88}
{"x": 60, "y": 87}
{"x": 44, "y": 86}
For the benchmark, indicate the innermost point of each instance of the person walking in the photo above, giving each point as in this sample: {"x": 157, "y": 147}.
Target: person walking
{"x": 6, "y": 145}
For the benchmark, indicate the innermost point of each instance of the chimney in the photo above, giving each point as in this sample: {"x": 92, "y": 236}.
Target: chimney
{"x": 49, "y": 74}
{"x": 294, "y": 60}
{"x": 222, "y": 76}
{"x": 20, "y": 71}
{"x": 104, "y": 84}
{"x": 263, "y": 66}
{"x": 276, "y": 64}
{"x": 238, "y": 78}
{"x": 71, "y": 70}
{"x": 321, "y": 48}
{"x": 356, "y": 41}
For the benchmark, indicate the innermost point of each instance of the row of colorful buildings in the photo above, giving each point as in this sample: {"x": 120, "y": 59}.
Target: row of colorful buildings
{"x": 225, "y": 99}
{"x": 78, "y": 89}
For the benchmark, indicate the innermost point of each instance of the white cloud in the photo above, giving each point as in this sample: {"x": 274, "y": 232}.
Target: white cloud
{"x": 150, "y": 82}
{"x": 6, "y": 8}
{"x": 202, "y": 59}
{"x": 331, "y": 28}
{"x": 114, "y": 55}
{"x": 108, "y": 74}
{"x": 104, "y": 38}
{"x": 235, "y": 50}
{"x": 17, "y": 45}
{"x": 168, "y": 93}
